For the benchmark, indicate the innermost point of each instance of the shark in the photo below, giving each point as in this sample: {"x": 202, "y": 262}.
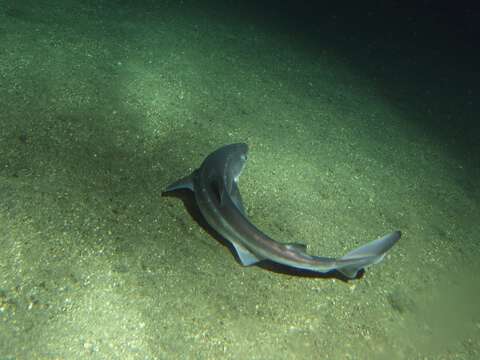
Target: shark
{"x": 215, "y": 187}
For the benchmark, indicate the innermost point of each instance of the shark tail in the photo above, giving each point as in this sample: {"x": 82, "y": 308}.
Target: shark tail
{"x": 368, "y": 254}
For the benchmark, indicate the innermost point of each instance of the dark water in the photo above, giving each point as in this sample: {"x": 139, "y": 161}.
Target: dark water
{"x": 361, "y": 120}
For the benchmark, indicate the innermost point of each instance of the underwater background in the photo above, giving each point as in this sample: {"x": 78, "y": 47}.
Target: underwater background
{"x": 361, "y": 118}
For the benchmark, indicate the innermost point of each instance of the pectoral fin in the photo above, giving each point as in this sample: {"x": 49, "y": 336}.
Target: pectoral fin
{"x": 245, "y": 256}
{"x": 184, "y": 183}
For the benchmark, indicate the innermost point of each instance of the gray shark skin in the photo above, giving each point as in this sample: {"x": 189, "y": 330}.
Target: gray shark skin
{"x": 215, "y": 185}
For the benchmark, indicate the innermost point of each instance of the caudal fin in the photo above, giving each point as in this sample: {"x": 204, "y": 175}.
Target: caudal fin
{"x": 368, "y": 254}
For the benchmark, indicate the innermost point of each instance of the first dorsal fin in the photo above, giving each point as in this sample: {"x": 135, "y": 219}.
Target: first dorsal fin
{"x": 297, "y": 247}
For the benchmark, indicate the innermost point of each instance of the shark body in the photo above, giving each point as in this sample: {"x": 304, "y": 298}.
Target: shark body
{"x": 215, "y": 185}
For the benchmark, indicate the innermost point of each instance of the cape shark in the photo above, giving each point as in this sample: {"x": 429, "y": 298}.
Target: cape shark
{"x": 215, "y": 185}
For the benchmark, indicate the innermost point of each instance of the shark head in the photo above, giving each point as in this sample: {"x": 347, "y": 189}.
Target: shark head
{"x": 232, "y": 159}
{"x": 238, "y": 155}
